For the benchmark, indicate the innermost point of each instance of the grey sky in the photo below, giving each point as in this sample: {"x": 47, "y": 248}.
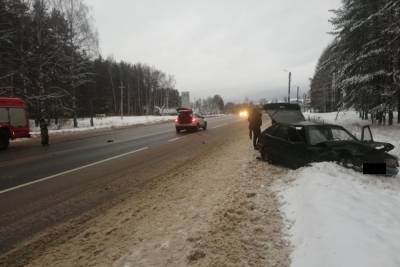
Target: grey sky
{"x": 233, "y": 48}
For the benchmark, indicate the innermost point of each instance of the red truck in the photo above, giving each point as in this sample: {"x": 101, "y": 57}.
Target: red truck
{"x": 14, "y": 122}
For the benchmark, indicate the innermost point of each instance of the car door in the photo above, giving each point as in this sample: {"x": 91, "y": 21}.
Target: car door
{"x": 266, "y": 142}
{"x": 278, "y": 145}
{"x": 296, "y": 147}
{"x": 367, "y": 138}
{"x": 366, "y": 134}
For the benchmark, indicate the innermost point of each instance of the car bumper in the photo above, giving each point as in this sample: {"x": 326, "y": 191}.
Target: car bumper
{"x": 183, "y": 126}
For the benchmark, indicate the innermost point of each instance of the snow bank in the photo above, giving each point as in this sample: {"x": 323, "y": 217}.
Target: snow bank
{"x": 345, "y": 118}
{"x": 339, "y": 217}
{"x": 66, "y": 126}
{"x": 342, "y": 218}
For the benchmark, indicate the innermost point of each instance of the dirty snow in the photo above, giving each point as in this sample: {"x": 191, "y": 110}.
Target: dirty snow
{"x": 338, "y": 217}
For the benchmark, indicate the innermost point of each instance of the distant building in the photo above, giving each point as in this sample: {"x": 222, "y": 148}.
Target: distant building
{"x": 185, "y": 99}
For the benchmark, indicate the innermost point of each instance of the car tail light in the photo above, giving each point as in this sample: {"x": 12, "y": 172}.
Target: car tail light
{"x": 194, "y": 120}
{"x": 176, "y": 120}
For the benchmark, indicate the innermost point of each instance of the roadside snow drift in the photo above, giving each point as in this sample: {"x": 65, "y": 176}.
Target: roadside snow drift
{"x": 339, "y": 217}
{"x": 342, "y": 218}
{"x": 101, "y": 123}
{"x": 67, "y": 126}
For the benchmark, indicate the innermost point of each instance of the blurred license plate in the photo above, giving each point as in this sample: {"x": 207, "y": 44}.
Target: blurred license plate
{"x": 374, "y": 168}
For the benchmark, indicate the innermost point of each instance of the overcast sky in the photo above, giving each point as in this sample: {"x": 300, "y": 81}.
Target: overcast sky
{"x": 234, "y": 48}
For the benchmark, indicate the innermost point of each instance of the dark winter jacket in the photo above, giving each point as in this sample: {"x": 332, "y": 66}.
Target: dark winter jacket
{"x": 255, "y": 120}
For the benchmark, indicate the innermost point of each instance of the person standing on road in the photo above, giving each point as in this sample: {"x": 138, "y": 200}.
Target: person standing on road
{"x": 44, "y": 132}
{"x": 255, "y": 122}
{"x": 250, "y": 120}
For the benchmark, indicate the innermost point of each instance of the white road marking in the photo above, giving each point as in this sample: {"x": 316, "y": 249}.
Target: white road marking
{"x": 174, "y": 139}
{"x": 72, "y": 170}
{"x": 218, "y": 126}
{"x": 58, "y": 153}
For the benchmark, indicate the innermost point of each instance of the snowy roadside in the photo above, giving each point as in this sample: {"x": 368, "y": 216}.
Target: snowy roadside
{"x": 66, "y": 126}
{"x": 216, "y": 211}
{"x": 338, "y": 217}
{"x": 100, "y": 123}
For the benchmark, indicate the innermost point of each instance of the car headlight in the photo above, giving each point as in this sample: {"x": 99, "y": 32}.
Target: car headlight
{"x": 392, "y": 162}
{"x": 244, "y": 114}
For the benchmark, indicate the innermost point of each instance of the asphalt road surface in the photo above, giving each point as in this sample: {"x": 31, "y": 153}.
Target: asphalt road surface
{"x": 81, "y": 175}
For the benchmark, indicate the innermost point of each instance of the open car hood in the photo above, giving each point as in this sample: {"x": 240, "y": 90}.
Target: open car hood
{"x": 284, "y": 112}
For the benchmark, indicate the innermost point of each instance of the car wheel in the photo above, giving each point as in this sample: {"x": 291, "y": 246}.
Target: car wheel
{"x": 4, "y": 140}
{"x": 205, "y": 126}
{"x": 264, "y": 155}
{"x": 178, "y": 130}
{"x": 197, "y": 127}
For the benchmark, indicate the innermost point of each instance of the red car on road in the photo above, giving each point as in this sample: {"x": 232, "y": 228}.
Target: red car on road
{"x": 188, "y": 120}
{"x": 14, "y": 122}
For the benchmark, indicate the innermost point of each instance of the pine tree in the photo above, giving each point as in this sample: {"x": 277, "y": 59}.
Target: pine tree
{"x": 365, "y": 54}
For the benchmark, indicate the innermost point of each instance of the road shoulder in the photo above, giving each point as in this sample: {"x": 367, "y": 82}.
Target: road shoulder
{"x": 218, "y": 210}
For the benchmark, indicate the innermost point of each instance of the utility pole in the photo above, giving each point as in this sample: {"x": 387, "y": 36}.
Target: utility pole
{"x": 333, "y": 87}
{"x": 91, "y": 112}
{"x": 128, "y": 100}
{"x": 167, "y": 98}
{"x": 12, "y": 86}
{"x": 122, "y": 87}
{"x": 290, "y": 80}
{"x": 139, "y": 99}
{"x": 298, "y": 88}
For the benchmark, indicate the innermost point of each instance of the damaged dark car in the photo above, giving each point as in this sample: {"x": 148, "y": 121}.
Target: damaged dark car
{"x": 292, "y": 141}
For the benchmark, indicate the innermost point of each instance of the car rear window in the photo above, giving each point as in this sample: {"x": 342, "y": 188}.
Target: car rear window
{"x": 185, "y": 114}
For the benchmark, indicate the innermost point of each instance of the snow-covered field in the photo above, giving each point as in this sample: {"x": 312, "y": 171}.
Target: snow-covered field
{"x": 338, "y": 217}
{"x": 66, "y": 126}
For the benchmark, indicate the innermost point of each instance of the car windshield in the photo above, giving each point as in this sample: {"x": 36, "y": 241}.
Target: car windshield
{"x": 321, "y": 134}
